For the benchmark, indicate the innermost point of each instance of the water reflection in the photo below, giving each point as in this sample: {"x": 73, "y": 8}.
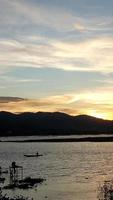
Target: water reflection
{"x": 72, "y": 171}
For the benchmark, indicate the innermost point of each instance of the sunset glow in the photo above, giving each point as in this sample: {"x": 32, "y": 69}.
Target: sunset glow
{"x": 96, "y": 114}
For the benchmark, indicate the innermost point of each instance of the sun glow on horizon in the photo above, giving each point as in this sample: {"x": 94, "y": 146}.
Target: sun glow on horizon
{"x": 62, "y": 103}
{"x": 106, "y": 116}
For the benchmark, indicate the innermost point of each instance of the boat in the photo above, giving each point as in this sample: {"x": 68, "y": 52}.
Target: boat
{"x": 33, "y": 155}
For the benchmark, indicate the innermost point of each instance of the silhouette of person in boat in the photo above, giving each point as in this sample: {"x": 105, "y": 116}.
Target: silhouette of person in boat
{"x": 33, "y": 155}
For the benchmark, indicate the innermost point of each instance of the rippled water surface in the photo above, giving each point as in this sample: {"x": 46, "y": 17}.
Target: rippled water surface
{"x": 73, "y": 171}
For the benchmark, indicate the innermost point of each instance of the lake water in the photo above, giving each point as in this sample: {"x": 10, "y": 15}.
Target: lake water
{"x": 73, "y": 171}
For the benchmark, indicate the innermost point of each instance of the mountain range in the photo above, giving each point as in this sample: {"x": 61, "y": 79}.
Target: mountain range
{"x": 47, "y": 123}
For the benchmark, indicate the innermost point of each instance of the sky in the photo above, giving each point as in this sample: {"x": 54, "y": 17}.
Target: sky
{"x": 57, "y": 56}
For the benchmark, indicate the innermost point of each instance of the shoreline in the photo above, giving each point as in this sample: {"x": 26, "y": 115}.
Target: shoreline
{"x": 85, "y": 139}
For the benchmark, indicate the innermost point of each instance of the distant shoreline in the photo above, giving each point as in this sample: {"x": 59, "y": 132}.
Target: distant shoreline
{"x": 59, "y": 140}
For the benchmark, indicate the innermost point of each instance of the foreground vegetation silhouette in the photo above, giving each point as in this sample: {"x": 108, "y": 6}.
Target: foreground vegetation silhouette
{"x": 5, "y": 197}
{"x": 106, "y": 191}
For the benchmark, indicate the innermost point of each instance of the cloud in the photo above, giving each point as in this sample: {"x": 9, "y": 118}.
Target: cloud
{"x": 10, "y": 99}
{"x": 91, "y": 55}
{"x": 79, "y": 26}
{"x": 27, "y": 13}
{"x": 15, "y": 14}
{"x": 15, "y": 104}
{"x": 31, "y": 50}
{"x": 94, "y": 54}
{"x": 106, "y": 81}
{"x": 13, "y": 80}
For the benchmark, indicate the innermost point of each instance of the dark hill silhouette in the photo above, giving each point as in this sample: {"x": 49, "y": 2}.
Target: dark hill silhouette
{"x": 47, "y": 123}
